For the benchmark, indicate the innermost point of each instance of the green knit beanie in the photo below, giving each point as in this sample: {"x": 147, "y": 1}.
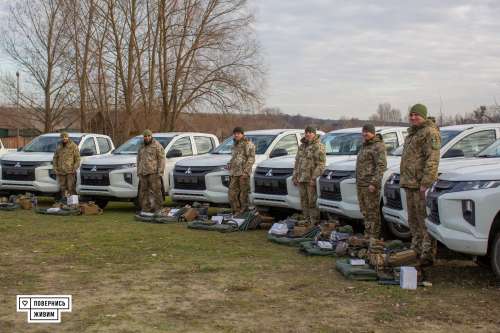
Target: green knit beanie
{"x": 419, "y": 109}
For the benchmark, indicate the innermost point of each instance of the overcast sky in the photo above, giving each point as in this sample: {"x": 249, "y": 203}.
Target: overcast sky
{"x": 329, "y": 58}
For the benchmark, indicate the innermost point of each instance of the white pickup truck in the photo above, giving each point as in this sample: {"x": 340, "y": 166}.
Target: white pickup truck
{"x": 114, "y": 177}
{"x": 457, "y": 142}
{"x": 30, "y": 168}
{"x": 272, "y": 185}
{"x": 337, "y": 192}
{"x": 464, "y": 210}
{"x": 206, "y": 179}
{"x": 4, "y": 150}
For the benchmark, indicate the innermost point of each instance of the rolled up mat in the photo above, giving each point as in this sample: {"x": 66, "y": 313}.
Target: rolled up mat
{"x": 311, "y": 248}
{"x": 9, "y": 206}
{"x": 203, "y": 225}
{"x": 358, "y": 273}
{"x": 295, "y": 241}
{"x": 61, "y": 212}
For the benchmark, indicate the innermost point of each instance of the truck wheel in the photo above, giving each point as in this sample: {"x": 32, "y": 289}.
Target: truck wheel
{"x": 495, "y": 255}
{"x": 102, "y": 203}
{"x": 399, "y": 230}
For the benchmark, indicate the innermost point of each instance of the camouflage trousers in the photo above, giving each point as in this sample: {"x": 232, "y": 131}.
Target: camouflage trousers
{"x": 421, "y": 241}
{"x": 308, "y": 197}
{"x": 67, "y": 184}
{"x": 150, "y": 193}
{"x": 239, "y": 188}
{"x": 369, "y": 206}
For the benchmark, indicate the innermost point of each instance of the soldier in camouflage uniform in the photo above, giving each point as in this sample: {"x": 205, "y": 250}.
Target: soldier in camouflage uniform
{"x": 65, "y": 162}
{"x": 240, "y": 169}
{"x": 370, "y": 166}
{"x": 419, "y": 169}
{"x": 150, "y": 168}
{"x": 309, "y": 165}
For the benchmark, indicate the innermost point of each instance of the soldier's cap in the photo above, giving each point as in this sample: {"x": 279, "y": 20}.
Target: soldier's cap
{"x": 419, "y": 109}
{"x": 238, "y": 129}
{"x": 310, "y": 129}
{"x": 64, "y": 135}
{"x": 147, "y": 133}
{"x": 368, "y": 128}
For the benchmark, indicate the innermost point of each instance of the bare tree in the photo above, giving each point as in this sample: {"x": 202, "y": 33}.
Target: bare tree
{"x": 34, "y": 39}
{"x": 208, "y": 58}
{"x": 386, "y": 113}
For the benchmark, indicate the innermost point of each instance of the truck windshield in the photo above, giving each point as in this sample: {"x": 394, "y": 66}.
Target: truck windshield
{"x": 131, "y": 147}
{"x": 492, "y": 150}
{"x": 342, "y": 143}
{"x": 46, "y": 144}
{"x": 261, "y": 142}
{"x": 446, "y": 136}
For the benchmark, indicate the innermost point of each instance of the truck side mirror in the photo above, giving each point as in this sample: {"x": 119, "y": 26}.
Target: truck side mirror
{"x": 86, "y": 152}
{"x": 454, "y": 153}
{"x": 278, "y": 152}
{"x": 172, "y": 153}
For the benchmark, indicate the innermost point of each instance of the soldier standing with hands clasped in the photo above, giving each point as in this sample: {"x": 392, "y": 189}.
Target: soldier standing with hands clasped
{"x": 66, "y": 161}
{"x": 309, "y": 165}
{"x": 370, "y": 166}
{"x": 419, "y": 169}
{"x": 150, "y": 168}
{"x": 240, "y": 168}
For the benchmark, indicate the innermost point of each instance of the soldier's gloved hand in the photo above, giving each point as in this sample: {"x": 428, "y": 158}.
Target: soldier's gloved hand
{"x": 371, "y": 188}
{"x": 312, "y": 183}
{"x": 228, "y": 167}
{"x": 423, "y": 189}
{"x": 295, "y": 182}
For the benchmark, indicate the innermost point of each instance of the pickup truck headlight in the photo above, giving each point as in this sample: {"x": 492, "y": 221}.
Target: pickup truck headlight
{"x": 127, "y": 166}
{"x": 219, "y": 168}
{"x": 476, "y": 185}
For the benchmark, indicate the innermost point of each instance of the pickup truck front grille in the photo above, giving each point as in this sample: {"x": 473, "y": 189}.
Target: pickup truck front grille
{"x": 272, "y": 180}
{"x": 329, "y": 184}
{"x": 392, "y": 193}
{"x": 96, "y": 175}
{"x": 19, "y": 171}
{"x": 191, "y": 178}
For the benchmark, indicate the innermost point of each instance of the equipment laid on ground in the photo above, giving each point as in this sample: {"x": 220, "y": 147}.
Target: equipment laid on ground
{"x": 293, "y": 232}
{"x": 356, "y": 272}
{"x": 221, "y": 222}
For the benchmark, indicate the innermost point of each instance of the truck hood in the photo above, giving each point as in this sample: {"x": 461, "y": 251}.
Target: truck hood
{"x": 111, "y": 159}
{"x": 350, "y": 164}
{"x": 288, "y": 162}
{"x": 212, "y": 160}
{"x": 451, "y": 164}
{"x": 488, "y": 170}
{"x": 20, "y": 156}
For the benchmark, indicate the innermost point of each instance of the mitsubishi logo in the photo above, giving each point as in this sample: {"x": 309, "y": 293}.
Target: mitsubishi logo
{"x": 329, "y": 176}
{"x": 94, "y": 168}
{"x": 17, "y": 165}
{"x": 188, "y": 171}
{"x": 269, "y": 173}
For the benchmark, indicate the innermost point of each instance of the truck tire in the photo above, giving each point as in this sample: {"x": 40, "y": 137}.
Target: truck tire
{"x": 398, "y": 230}
{"x": 102, "y": 203}
{"x": 495, "y": 254}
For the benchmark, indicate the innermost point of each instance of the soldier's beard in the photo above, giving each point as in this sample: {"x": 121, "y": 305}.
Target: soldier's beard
{"x": 147, "y": 142}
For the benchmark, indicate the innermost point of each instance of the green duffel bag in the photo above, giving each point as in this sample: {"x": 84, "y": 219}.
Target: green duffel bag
{"x": 295, "y": 241}
{"x": 61, "y": 212}
{"x": 311, "y": 248}
{"x": 358, "y": 273}
{"x": 208, "y": 226}
{"x": 156, "y": 219}
{"x": 9, "y": 206}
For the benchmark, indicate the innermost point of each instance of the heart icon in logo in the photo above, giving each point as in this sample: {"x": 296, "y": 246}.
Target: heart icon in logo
{"x": 24, "y": 303}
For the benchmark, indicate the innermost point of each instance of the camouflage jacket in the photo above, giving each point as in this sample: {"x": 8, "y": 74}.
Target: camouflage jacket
{"x": 66, "y": 158}
{"x": 420, "y": 159}
{"x": 243, "y": 158}
{"x": 310, "y": 161}
{"x": 151, "y": 159}
{"x": 371, "y": 163}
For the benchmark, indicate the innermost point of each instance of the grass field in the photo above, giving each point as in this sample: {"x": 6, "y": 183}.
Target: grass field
{"x": 127, "y": 276}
